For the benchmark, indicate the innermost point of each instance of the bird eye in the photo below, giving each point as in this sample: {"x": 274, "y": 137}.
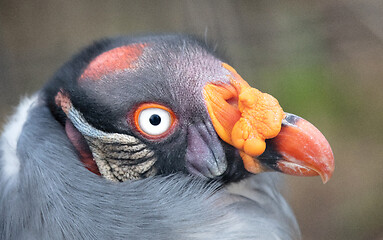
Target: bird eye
{"x": 154, "y": 120}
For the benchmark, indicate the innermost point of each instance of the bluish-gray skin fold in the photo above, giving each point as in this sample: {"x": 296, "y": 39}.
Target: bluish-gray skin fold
{"x": 205, "y": 156}
{"x": 52, "y": 196}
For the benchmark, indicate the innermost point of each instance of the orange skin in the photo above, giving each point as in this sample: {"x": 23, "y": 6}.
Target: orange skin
{"x": 243, "y": 116}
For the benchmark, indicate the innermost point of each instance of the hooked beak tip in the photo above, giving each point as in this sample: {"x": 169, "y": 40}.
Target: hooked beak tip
{"x": 303, "y": 149}
{"x": 250, "y": 120}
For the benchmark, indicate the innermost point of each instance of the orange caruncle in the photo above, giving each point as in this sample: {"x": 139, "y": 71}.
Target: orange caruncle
{"x": 243, "y": 116}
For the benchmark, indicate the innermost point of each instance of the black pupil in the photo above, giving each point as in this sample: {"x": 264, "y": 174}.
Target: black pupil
{"x": 155, "y": 119}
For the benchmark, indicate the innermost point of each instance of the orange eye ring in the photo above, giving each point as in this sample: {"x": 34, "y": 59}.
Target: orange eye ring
{"x": 143, "y": 110}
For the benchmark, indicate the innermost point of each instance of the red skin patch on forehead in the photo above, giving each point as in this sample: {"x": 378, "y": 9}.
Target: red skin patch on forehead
{"x": 117, "y": 59}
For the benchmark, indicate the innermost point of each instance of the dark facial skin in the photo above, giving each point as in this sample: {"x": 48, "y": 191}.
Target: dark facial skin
{"x": 170, "y": 71}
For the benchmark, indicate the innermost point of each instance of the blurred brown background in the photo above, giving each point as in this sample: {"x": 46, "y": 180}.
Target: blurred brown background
{"x": 323, "y": 60}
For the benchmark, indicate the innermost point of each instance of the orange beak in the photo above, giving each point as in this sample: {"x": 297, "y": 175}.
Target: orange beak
{"x": 267, "y": 138}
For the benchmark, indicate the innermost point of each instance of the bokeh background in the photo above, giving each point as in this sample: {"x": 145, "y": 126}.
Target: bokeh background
{"x": 323, "y": 60}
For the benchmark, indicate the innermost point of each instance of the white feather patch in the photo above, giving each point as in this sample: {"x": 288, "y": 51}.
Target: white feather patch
{"x": 10, "y": 137}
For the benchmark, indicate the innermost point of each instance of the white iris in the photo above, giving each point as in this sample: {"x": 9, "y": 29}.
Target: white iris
{"x": 154, "y": 121}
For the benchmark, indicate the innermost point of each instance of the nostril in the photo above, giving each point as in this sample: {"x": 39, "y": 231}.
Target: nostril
{"x": 233, "y": 101}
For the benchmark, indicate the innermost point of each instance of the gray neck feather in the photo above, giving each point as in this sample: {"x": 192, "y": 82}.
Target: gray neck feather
{"x": 52, "y": 196}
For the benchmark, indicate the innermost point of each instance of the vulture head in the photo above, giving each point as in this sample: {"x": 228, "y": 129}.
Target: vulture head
{"x": 156, "y": 105}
